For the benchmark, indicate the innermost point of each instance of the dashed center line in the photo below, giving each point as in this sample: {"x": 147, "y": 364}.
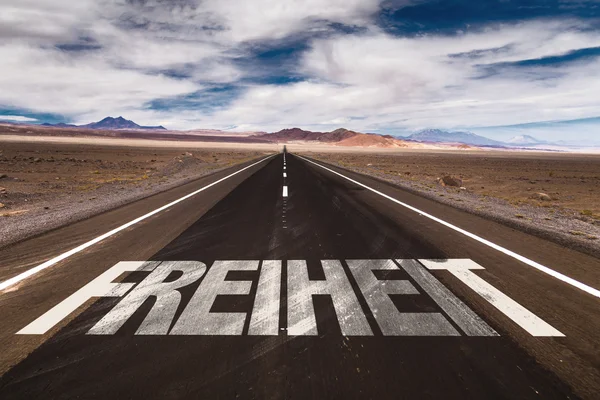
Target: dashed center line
{"x": 284, "y": 193}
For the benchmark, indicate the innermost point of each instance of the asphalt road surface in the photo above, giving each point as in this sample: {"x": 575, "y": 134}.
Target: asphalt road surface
{"x": 289, "y": 279}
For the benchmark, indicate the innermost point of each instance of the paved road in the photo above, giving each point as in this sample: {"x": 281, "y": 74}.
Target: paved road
{"x": 290, "y": 279}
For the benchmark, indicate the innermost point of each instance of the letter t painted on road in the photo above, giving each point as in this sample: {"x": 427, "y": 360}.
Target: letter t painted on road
{"x": 461, "y": 269}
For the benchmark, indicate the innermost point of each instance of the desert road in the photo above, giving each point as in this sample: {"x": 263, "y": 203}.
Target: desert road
{"x": 286, "y": 278}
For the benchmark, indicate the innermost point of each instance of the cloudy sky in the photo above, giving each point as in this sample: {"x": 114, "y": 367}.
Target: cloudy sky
{"x": 497, "y": 67}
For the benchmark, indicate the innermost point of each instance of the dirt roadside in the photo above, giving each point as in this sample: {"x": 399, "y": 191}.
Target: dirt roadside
{"x": 47, "y": 185}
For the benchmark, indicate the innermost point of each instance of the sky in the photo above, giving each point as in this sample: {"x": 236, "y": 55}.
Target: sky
{"x": 495, "y": 67}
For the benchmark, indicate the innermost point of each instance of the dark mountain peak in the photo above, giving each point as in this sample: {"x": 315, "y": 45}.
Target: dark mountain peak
{"x": 108, "y": 123}
{"x": 340, "y": 130}
{"x": 59, "y": 125}
{"x": 337, "y": 135}
{"x": 113, "y": 123}
{"x": 294, "y": 131}
{"x": 291, "y": 134}
{"x": 111, "y": 119}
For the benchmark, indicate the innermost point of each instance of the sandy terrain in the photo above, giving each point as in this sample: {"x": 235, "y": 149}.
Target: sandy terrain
{"x": 554, "y": 195}
{"x": 46, "y": 184}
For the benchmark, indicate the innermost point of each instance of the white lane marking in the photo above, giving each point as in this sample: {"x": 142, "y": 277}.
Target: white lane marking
{"x": 285, "y": 175}
{"x": 15, "y": 279}
{"x": 513, "y": 310}
{"x": 525, "y": 260}
{"x": 285, "y": 191}
{"x": 284, "y": 167}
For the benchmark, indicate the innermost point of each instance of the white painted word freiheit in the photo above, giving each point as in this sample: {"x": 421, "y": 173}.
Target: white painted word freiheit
{"x": 197, "y": 318}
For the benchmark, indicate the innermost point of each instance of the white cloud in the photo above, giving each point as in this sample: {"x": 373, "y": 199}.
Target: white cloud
{"x": 413, "y": 83}
{"x": 366, "y": 81}
{"x": 16, "y": 118}
{"x": 268, "y": 19}
{"x": 46, "y": 80}
{"x": 44, "y": 21}
{"x": 133, "y": 42}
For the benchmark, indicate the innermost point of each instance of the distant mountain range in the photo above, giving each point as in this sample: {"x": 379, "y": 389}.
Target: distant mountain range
{"x": 108, "y": 123}
{"x": 525, "y": 140}
{"x": 285, "y": 135}
{"x": 345, "y": 137}
{"x": 339, "y": 137}
{"x": 441, "y": 136}
{"x": 428, "y": 138}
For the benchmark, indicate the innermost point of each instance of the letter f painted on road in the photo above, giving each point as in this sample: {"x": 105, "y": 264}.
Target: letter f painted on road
{"x": 103, "y": 286}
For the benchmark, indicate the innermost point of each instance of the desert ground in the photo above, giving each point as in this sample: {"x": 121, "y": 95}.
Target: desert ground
{"x": 54, "y": 180}
{"x": 556, "y": 195}
{"x": 48, "y": 183}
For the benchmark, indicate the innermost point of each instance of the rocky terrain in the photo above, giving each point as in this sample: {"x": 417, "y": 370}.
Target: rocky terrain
{"x": 556, "y": 196}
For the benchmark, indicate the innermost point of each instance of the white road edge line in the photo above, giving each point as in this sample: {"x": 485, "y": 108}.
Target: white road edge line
{"x": 525, "y": 260}
{"x": 16, "y": 279}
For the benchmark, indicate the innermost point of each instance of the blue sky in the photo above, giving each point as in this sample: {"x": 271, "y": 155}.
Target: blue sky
{"x": 496, "y": 67}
